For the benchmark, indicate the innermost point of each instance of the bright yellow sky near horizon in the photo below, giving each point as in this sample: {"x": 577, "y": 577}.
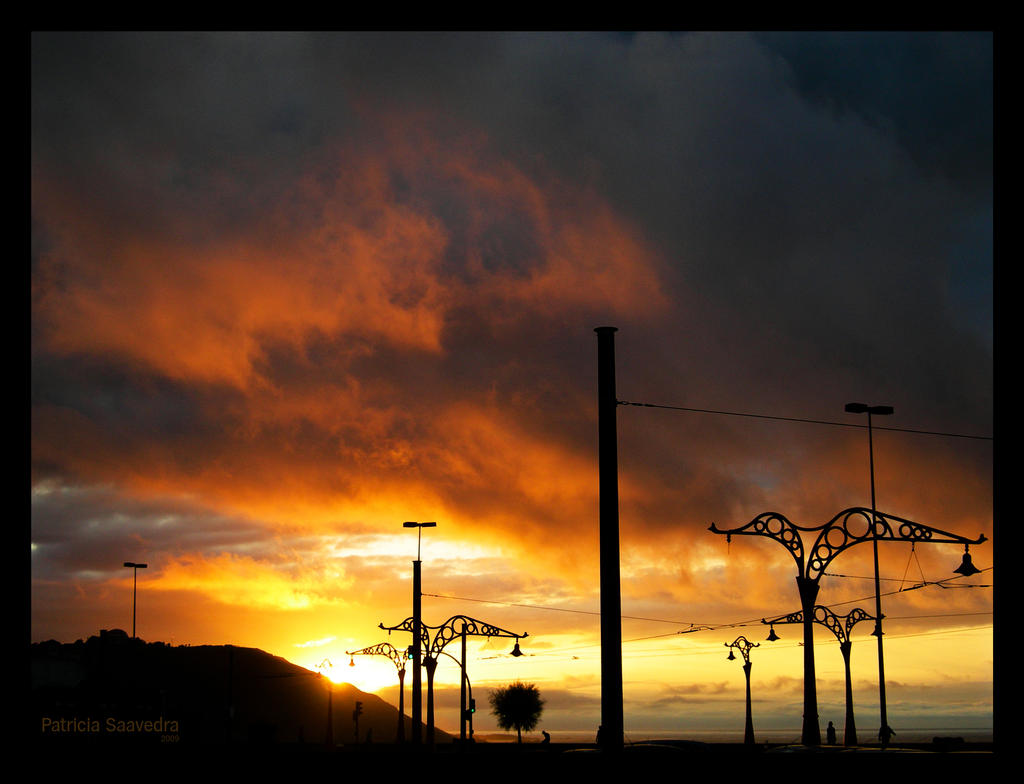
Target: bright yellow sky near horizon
{"x": 938, "y": 640}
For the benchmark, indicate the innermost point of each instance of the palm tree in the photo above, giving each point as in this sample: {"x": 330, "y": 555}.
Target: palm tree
{"x": 517, "y": 706}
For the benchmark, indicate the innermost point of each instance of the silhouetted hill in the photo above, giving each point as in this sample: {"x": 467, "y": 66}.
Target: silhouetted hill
{"x": 114, "y": 689}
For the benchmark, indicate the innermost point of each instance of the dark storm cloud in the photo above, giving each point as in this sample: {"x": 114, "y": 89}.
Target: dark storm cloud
{"x": 130, "y": 403}
{"x": 790, "y": 176}
{"x": 933, "y": 91}
{"x": 818, "y": 209}
{"x": 80, "y": 531}
{"x": 834, "y": 186}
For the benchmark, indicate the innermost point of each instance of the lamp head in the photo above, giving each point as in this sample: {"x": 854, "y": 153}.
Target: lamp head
{"x": 772, "y": 636}
{"x": 966, "y": 568}
{"x": 515, "y": 650}
{"x": 864, "y": 408}
{"x": 731, "y": 656}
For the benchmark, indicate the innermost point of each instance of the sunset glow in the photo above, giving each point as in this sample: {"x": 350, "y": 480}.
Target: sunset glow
{"x": 291, "y": 290}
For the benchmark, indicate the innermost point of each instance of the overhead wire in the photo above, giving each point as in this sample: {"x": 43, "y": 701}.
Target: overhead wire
{"x": 699, "y": 627}
{"x": 801, "y": 419}
{"x": 552, "y": 609}
{"x": 712, "y": 627}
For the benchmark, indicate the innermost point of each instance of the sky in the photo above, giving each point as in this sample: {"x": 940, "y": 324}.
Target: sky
{"x": 290, "y": 290}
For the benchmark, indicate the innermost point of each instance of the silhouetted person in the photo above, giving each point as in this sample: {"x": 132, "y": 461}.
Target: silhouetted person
{"x": 830, "y": 734}
{"x": 547, "y": 737}
{"x": 599, "y": 729}
{"x": 885, "y": 734}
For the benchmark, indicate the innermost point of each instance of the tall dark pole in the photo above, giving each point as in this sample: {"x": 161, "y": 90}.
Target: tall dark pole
{"x": 883, "y": 732}
{"x": 400, "y": 734}
{"x": 745, "y": 646}
{"x": 417, "y": 594}
{"x": 748, "y": 728}
{"x": 430, "y": 665}
{"x": 850, "y": 728}
{"x": 810, "y": 733}
{"x": 611, "y": 603}
{"x": 135, "y": 582}
{"x": 861, "y": 408}
{"x": 417, "y": 690}
{"x": 135, "y": 588}
{"x": 462, "y": 697}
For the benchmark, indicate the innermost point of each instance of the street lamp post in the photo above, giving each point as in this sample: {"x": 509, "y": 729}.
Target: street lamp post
{"x": 611, "y": 737}
{"x": 462, "y": 688}
{"x": 849, "y": 527}
{"x": 884, "y": 731}
{"x": 329, "y": 734}
{"x": 465, "y": 715}
{"x": 417, "y": 597}
{"x": 135, "y": 579}
{"x": 841, "y": 627}
{"x": 743, "y": 645}
{"x": 398, "y": 658}
{"x": 447, "y": 632}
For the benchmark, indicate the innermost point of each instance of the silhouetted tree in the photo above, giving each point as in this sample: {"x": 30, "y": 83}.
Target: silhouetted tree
{"x": 517, "y": 706}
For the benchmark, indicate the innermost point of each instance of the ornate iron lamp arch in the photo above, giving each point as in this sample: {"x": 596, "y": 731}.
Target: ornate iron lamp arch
{"x": 774, "y": 526}
{"x": 832, "y": 538}
{"x": 447, "y": 632}
{"x": 841, "y": 627}
{"x": 407, "y": 626}
{"x": 845, "y": 530}
{"x": 399, "y": 659}
{"x": 744, "y": 646}
{"x": 434, "y": 647}
{"x": 839, "y": 533}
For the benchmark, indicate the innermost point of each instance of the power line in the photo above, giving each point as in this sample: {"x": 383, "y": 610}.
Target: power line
{"x": 935, "y": 615}
{"x": 794, "y": 644}
{"x": 555, "y": 609}
{"x": 698, "y": 627}
{"x": 646, "y": 654}
{"x": 942, "y": 631}
{"x": 940, "y": 583}
{"x": 806, "y": 421}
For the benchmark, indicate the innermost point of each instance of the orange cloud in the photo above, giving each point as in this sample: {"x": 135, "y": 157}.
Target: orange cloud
{"x": 348, "y": 253}
{"x": 239, "y": 580}
{"x": 292, "y": 338}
